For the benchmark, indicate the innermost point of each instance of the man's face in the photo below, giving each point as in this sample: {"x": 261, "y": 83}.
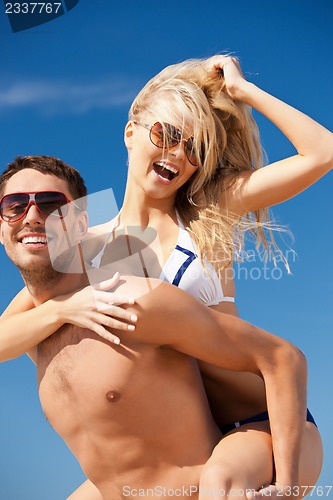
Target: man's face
{"x": 19, "y": 238}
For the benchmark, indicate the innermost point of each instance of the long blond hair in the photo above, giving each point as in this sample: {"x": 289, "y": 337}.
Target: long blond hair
{"x": 185, "y": 93}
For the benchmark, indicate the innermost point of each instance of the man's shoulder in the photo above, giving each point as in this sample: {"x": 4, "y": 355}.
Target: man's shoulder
{"x": 102, "y": 229}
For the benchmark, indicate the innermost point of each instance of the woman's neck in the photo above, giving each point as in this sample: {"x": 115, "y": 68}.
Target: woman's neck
{"x": 139, "y": 208}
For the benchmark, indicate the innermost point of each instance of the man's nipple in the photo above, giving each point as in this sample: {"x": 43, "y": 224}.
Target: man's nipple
{"x": 113, "y": 396}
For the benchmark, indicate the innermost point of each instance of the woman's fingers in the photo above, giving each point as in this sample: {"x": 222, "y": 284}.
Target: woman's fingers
{"x": 117, "y": 312}
{"x": 98, "y": 323}
{"x": 107, "y": 284}
{"x": 96, "y": 308}
{"x": 229, "y": 68}
{"x": 110, "y": 298}
{"x": 101, "y": 292}
{"x": 111, "y": 322}
{"x": 216, "y": 63}
{"x": 102, "y": 332}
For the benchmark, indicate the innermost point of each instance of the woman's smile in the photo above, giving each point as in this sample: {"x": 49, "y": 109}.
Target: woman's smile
{"x": 165, "y": 171}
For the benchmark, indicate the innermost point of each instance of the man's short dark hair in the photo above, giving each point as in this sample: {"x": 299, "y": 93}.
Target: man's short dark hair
{"x": 46, "y": 165}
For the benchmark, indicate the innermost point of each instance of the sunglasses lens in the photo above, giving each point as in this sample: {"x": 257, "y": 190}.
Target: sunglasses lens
{"x": 165, "y": 136}
{"x": 173, "y": 135}
{"x": 157, "y": 135}
{"x": 191, "y": 152}
{"x": 49, "y": 202}
{"x": 13, "y": 206}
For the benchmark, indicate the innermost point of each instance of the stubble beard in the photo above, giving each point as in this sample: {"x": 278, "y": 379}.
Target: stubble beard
{"x": 39, "y": 278}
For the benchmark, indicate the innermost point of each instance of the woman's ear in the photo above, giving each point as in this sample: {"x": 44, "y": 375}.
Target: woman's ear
{"x": 128, "y": 135}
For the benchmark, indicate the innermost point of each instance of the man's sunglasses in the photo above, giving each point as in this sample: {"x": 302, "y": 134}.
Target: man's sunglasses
{"x": 167, "y": 136}
{"x": 14, "y": 207}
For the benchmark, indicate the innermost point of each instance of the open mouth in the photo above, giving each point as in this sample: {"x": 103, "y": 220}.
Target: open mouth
{"x": 34, "y": 241}
{"x": 165, "y": 171}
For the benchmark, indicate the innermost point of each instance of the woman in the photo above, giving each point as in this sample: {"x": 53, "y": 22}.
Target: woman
{"x": 194, "y": 154}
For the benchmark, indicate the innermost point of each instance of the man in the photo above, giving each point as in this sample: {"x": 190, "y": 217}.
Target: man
{"x": 135, "y": 415}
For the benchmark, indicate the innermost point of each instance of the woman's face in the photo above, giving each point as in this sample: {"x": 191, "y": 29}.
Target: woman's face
{"x": 159, "y": 171}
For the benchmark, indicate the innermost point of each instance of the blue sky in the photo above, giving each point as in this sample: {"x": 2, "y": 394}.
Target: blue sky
{"x": 65, "y": 89}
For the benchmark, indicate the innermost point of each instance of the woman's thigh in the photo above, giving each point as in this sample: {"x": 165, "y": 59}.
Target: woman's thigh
{"x": 311, "y": 456}
{"x": 241, "y": 460}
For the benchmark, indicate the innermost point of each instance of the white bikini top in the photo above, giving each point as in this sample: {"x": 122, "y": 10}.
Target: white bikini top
{"x": 184, "y": 269}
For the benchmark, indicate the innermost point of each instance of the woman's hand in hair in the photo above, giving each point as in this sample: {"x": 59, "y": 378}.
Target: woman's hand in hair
{"x": 229, "y": 69}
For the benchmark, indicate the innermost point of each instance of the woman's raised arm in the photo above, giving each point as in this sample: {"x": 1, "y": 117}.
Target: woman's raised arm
{"x": 279, "y": 181}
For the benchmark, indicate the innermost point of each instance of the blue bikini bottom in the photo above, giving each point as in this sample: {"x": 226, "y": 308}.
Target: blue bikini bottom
{"x": 261, "y": 417}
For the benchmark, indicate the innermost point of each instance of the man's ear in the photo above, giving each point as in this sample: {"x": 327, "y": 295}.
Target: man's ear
{"x": 1, "y": 237}
{"x": 128, "y": 135}
{"x": 82, "y": 226}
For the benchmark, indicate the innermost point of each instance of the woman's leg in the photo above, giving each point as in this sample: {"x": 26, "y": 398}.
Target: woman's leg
{"x": 310, "y": 464}
{"x": 311, "y": 460}
{"x": 243, "y": 461}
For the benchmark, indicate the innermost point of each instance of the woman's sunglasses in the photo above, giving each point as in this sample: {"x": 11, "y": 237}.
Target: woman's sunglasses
{"x": 15, "y": 206}
{"x": 167, "y": 136}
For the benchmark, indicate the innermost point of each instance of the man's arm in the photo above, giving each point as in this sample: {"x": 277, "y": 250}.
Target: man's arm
{"x": 169, "y": 317}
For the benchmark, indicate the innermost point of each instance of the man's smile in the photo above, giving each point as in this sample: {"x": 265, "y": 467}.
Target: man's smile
{"x": 33, "y": 240}
{"x": 28, "y": 240}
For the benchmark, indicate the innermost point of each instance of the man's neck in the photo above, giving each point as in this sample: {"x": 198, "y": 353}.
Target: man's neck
{"x": 68, "y": 283}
